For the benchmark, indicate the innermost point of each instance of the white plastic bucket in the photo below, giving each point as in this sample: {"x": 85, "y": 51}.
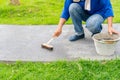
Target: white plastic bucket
{"x": 105, "y": 43}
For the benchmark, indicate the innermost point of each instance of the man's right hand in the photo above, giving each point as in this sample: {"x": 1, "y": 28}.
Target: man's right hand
{"x": 57, "y": 32}
{"x": 59, "y": 29}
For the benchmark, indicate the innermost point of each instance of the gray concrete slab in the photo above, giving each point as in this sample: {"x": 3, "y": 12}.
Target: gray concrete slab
{"x": 18, "y": 42}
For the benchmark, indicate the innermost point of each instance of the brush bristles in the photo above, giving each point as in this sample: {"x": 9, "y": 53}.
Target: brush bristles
{"x": 47, "y": 46}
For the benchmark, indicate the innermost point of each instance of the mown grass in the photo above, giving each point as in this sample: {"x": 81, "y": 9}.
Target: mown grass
{"x": 61, "y": 70}
{"x": 31, "y": 12}
{"x": 39, "y": 12}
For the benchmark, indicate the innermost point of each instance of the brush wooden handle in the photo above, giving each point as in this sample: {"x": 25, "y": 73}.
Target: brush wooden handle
{"x": 50, "y": 40}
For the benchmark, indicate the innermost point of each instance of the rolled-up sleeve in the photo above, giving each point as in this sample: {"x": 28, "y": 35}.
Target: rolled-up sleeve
{"x": 65, "y": 13}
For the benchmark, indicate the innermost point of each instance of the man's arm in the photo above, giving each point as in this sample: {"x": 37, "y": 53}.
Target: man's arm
{"x": 64, "y": 17}
{"x": 110, "y": 28}
{"x": 59, "y": 28}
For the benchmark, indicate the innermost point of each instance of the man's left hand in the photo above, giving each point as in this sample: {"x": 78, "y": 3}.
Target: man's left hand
{"x": 112, "y": 31}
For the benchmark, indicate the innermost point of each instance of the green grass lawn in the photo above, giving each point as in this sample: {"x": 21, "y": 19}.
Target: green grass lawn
{"x": 39, "y": 12}
{"x": 61, "y": 70}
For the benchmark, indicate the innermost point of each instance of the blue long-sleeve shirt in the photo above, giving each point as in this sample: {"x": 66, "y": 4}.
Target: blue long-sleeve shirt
{"x": 102, "y": 7}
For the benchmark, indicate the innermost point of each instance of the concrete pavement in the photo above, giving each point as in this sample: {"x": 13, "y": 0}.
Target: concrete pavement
{"x": 23, "y": 43}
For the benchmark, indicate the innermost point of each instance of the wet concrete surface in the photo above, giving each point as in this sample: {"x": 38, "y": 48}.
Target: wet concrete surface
{"x": 23, "y": 43}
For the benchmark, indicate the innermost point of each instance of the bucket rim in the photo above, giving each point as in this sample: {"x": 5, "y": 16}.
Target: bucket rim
{"x": 103, "y": 41}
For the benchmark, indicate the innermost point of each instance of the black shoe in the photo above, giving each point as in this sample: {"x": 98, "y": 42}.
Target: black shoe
{"x": 94, "y": 34}
{"x": 76, "y": 37}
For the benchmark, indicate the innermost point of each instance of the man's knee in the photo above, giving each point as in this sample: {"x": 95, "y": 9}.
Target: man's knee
{"x": 90, "y": 24}
{"x": 94, "y": 21}
{"x": 74, "y": 7}
{"x": 93, "y": 27}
